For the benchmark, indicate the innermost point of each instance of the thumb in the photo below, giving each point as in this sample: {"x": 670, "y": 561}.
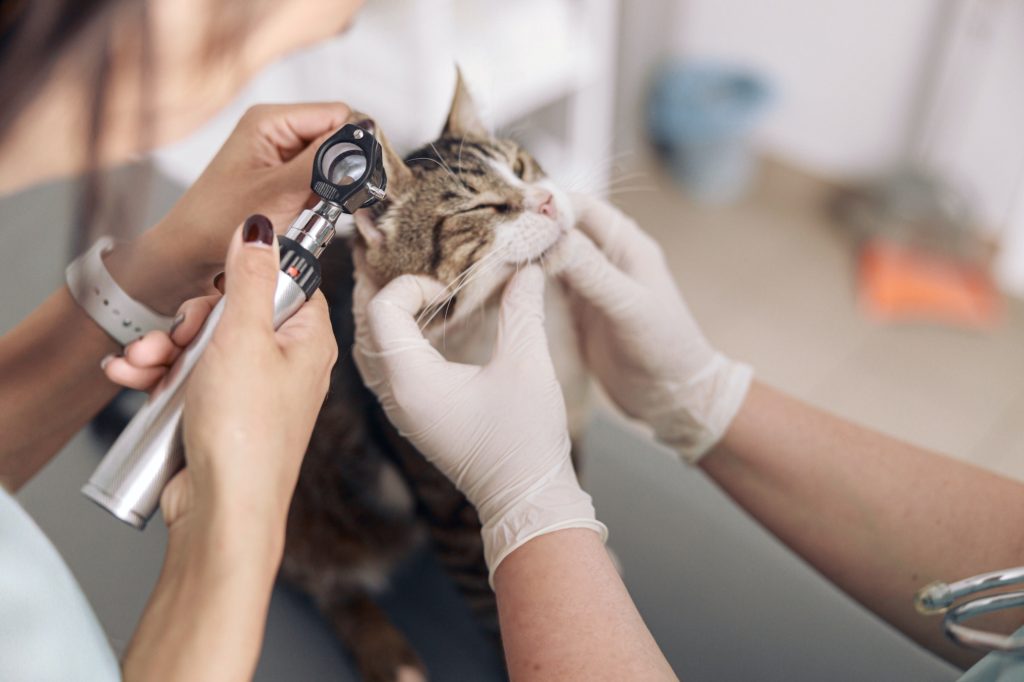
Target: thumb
{"x": 589, "y": 274}
{"x": 521, "y": 321}
{"x": 293, "y": 175}
{"x": 251, "y": 276}
{"x": 297, "y": 168}
{"x": 300, "y": 164}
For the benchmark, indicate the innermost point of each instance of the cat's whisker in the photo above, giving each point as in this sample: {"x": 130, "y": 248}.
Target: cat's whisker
{"x": 464, "y": 273}
{"x": 447, "y": 295}
{"x": 443, "y": 294}
{"x": 444, "y": 325}
{"x": 477, "y": 272}
{"x": 632, "y": 175}
{"x": 584, "y": 178}
{"x": 635, "y": 182}
{"x": 443, "y": 162}
{"x": 462, "y": 143}
{"x": 492, "y": 264}
{"x": 439, "y": 163}
{"x": 479, "y": 308}
{"x": 444, "y": 321}
{"x": 619, "y": 191}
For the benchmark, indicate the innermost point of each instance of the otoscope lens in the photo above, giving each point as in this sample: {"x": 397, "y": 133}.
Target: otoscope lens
{"x": 343, "y": 164}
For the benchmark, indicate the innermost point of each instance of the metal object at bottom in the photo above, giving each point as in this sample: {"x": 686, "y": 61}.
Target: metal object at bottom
{"x": 148, "y": 453}
{"x": 938, "y": 598}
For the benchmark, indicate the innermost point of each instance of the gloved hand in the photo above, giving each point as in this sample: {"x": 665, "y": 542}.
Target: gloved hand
{"x": 499, "y": 431}
{"x": 639, "y": 338}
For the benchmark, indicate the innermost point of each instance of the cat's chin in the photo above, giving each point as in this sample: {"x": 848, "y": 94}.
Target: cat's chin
{"x": 557, "y": 256}
{"x": 485, "y": 291}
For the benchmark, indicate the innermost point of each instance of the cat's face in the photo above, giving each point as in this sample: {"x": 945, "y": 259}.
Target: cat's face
{"x": 467, "y": 209}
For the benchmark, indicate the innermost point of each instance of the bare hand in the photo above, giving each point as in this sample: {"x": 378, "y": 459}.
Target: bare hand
{"x": 252, "y": 399}
{"x": 264, "y": 167}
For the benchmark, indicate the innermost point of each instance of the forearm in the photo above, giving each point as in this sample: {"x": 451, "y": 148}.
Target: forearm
{"x": 206, "y": 617}
{"x": 50, "y": 363}
{"x": 878, "y": 517}
{"x": 52, "y": 384}
{"x": 565, "y": 614}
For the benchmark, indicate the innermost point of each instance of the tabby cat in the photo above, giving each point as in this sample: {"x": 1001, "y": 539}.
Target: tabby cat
{"x": 466, "y": 209}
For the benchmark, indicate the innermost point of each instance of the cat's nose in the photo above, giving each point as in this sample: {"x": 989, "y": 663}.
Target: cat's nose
{"x": 545, "y": 204}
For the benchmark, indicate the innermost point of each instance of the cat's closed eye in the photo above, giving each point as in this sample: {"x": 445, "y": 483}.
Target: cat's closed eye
{"x": 497, "y": 208}
{"x": 519, "y": 167}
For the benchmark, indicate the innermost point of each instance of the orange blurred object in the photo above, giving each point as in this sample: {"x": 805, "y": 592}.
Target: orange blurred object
{"x": 899, "y": 283}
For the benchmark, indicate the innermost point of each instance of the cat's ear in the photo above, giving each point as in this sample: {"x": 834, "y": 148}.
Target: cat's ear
{"x": 366, "y": 225}
{"x": 398, "y": 174}
{"x": 463, "y": 118}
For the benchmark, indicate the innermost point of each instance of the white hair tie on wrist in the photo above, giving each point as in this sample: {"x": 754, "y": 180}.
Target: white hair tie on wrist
{"x": 117, "y": 313}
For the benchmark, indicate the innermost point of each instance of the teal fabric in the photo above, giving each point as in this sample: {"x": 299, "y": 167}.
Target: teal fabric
{"x": 48, "y": 632}
{"x": 997, "y": 668}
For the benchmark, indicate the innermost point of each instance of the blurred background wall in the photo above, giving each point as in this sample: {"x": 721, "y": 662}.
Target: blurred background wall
{"x": 861, "y": 87}
{"x": 847, "y": 73}
{"x": 866, "y": 86}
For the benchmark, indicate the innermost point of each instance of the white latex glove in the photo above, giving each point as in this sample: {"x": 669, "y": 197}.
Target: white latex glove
{"x": 639, "y": 338}
{"x": 499, "y": 431}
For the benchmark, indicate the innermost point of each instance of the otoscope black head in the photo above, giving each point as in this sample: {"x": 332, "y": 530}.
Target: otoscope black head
{"x": 349, "y": 169}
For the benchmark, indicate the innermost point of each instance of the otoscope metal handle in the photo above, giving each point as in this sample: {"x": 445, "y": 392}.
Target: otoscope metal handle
{"x": 130, "y": 479}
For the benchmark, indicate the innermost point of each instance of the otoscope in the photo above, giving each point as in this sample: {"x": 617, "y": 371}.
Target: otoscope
{"x": 348, "y": 174}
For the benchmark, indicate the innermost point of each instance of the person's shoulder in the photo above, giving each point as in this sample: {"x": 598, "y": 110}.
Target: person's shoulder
{"x": 49, "y": 630}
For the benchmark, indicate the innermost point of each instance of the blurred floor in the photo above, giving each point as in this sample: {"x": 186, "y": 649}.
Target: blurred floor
{"x": 771, "y": 281}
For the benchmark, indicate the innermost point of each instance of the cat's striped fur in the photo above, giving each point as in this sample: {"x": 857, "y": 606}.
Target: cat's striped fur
{"x": 467, "y": 209}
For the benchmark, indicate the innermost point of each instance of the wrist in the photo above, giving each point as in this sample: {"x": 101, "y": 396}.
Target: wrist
{"x": 208, "y": 610}
{"x": 702, "y": 408}
{"x": 159, "y": 271}
{"x": 228, "y": 546}
{"x": 556, "y": 504}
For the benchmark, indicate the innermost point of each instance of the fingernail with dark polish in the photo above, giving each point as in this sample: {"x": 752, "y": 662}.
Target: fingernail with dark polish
{"x": 176, "y": 323}
{"x": 218, "y": 282}
{"x": 258, "y": 230}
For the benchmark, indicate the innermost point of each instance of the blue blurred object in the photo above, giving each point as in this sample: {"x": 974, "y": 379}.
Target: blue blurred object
{"x": 700, "y": 116}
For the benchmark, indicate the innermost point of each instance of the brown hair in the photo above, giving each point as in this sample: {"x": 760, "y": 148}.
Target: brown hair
{"x": 36, "y": 34}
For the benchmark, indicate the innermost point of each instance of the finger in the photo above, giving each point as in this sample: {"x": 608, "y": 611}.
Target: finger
{"x": 302, "y": 161}
{"x": 307, "y": 337}
{"x": 123, "y": 373}
{"x": 589, "y": 273}
{"x": 191, "y": 316}
{"x": 615, "y": 233}
{"x": 295, "y": 172}
{"x": 521, "y": 320}
{"x": 155, "y": 349}
{"x": 296, "y": 169}
{"x": 251, "y": 277}
{"x": 291, "y": 128}
{"x": 390, "y": 320}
